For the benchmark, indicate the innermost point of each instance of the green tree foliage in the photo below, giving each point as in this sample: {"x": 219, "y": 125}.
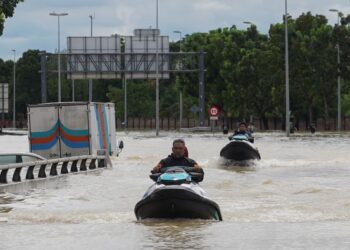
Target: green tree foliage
{"x": 28, "y": 81}
{"x": 141, "y": 96}
{"x": 245, "y": 74}
{"x": 7, "y": 9}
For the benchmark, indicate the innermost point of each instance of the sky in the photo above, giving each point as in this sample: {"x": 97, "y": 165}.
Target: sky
{"x": 33, "y": 28}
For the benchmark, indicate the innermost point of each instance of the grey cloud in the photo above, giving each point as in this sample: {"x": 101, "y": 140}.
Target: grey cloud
{"x": 37, "y": 29}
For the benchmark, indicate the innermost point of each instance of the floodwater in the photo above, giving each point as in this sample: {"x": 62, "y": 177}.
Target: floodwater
{"x": 296, "y": 197}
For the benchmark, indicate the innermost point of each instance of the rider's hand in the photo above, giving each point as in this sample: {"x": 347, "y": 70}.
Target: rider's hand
{"x": 156, "y": 169}
{"x": 196, "y": 168}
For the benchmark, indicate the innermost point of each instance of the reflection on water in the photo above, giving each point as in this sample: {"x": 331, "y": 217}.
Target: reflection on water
{"x": 230, "y": 165}
{"x": 6, "y": 200}
{"x": 296, "y": 197}
{"x": 239, "y": 168}
{"x": 176, "y": 234}
{"x": 68, "y": 217}
{"x": 247, "y": 163}
{"x": 4, "y": 210}
{"x": 236, "y": 166}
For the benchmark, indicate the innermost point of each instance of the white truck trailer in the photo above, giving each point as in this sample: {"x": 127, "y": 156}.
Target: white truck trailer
{"x": 59, "y": 130}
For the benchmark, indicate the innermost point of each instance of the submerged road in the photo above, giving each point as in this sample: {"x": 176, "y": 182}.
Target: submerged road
{"x": 296, "y": 197}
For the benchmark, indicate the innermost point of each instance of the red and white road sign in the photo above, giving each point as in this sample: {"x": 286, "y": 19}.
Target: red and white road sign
{"x": 214, "y": 111}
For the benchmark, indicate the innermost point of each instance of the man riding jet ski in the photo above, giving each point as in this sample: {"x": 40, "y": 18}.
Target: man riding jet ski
{"x": 243, "y": 130}
{"x": 178, "y": 158}
{"x": 241, "y": 147}
{"x": 176, "y": 192}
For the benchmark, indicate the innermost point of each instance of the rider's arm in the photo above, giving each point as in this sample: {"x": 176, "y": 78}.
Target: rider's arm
{"x": 157, "y": 168}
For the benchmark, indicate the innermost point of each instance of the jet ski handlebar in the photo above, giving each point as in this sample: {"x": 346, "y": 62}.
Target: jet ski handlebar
{"x": 177, "y": 169}
{"x": 196, "y": 176}
{"x": 155, "y": 176}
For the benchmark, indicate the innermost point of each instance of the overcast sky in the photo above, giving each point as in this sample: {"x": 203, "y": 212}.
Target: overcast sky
{"x": 33, "y": 28}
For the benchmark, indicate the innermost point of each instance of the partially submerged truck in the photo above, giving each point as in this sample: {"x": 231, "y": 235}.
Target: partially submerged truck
{"x": 58, "y": 130}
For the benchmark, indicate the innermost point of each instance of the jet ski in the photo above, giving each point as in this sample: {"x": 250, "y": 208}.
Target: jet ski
{"x": 177, "y": 194}
{"x": 240, "y": 149}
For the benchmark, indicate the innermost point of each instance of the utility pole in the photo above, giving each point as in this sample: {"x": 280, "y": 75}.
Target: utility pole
{"x": 287, "y": 69}
{"x": 90, "y": 80}
{"x": 58, "y": 15}
{"x": 338, "y": 73}
{"x": 14, "y": 89}
{"x": 181, "y": 101}
{"x": 157, "y": 72}
{"x": 73, "y": 92}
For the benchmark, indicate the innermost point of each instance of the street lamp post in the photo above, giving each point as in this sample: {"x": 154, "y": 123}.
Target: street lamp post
{"x": 14, "y": 88}
{"x": 90, "y": 80}
{"x": 157, "y": 74}
{"x": 59, "y": 52}
{"x": 181, "y": 102}
{"x": 287, "y": 69}
{"x": 180, "y": 33}
{"x": 338, "y": 71}
{"x": 73, "y": 92}
{"x": 91, "y": 23}
{"x": 249, "y": 23}
{"x": 125, "y": 103}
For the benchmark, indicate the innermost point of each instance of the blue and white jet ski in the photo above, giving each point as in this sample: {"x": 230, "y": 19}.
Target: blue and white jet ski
{"x": 177, "y": 194}
{"x": 240, "y": 149}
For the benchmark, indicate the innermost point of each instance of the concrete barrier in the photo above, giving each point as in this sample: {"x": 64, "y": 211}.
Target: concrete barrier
{"x": 17, "y": 173}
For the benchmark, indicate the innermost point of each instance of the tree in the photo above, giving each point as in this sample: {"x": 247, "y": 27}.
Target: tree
{"x": 140, "y": 99}
{"x": 28, "y": 86}
{"x": 7, "y": 9}
{"x": 245, "y": 74}
{"x": 312, "y": 48}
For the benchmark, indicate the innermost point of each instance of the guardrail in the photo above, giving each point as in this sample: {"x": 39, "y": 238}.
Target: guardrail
{"x": 50, "y": 168}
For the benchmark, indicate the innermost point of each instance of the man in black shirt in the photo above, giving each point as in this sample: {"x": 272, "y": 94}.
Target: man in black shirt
{"x": 177, "y": 158}
{"x": 243, "y": 130}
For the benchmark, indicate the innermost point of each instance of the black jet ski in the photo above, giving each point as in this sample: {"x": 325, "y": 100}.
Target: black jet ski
{"x": 177, "y": 194}
{"x": 240, "y": 149}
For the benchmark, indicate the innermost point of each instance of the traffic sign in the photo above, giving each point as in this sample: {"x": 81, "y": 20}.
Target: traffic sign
{"x": 214, "y": 111}
{"x": 195, "y": 109}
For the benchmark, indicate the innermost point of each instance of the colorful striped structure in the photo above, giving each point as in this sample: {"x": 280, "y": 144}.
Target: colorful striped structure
{"x": 71, "y": 129}
{"x": 71, "y": 138}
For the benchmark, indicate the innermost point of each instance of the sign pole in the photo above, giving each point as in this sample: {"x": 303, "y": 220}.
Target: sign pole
{"x": 201, "y": 90}
{"x": 214, "y": 113}
{"x": 3, "y": 106}
{"x": 181, "y": 109}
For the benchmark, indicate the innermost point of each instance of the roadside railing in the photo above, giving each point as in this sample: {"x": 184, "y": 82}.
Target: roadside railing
{"x": 15, "y": 173}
